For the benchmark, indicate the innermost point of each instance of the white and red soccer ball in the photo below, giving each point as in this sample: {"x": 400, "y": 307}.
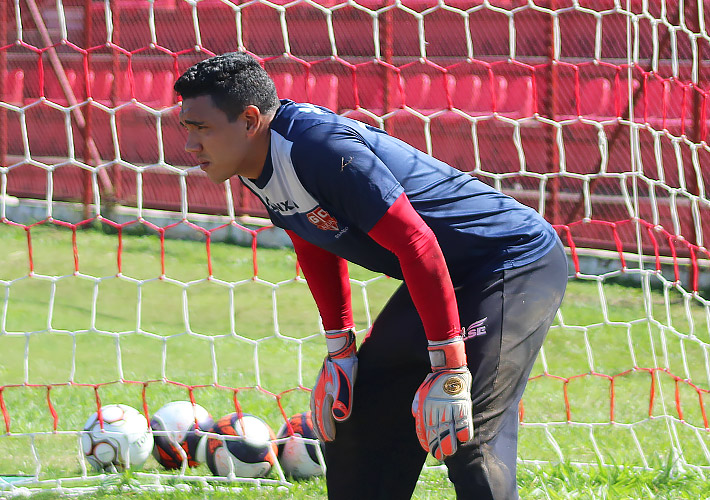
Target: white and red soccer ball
{"x": 125, "y": 441}
{"x": 244, "y": 447}
{"x": 178, "y": 431}
{"x": 299, "y": 454}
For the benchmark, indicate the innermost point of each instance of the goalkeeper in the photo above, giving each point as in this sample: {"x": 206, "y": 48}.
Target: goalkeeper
{"x": 444, "y": 366}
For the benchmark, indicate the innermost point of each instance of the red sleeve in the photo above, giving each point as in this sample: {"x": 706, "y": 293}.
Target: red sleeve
{"x": 329, "y": 282}
{"x": 402, "y": 231}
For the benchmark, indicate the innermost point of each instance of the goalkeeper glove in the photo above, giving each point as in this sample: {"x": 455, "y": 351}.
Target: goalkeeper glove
{"x": 442, "y": 406}
{"x": 332, "y": 396}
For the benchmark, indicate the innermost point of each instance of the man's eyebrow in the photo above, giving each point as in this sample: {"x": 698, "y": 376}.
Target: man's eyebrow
{"x": 191, "y": 122}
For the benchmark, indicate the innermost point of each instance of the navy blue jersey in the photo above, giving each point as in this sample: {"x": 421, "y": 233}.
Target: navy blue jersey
{"x": 330, "y": 179}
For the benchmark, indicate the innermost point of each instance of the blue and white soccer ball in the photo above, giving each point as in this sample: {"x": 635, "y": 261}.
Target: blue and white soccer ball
{"x": 298, "y": 455}
{"x": 176, "y": 436}
{"x": 125, "y": 441}
{"x": 244, "y": 447}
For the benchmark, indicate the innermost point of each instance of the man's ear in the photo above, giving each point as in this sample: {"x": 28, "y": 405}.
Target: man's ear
{"x": 252, "y": 118}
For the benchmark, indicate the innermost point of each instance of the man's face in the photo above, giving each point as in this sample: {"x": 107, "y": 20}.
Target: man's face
{"x": 221, "y": 147}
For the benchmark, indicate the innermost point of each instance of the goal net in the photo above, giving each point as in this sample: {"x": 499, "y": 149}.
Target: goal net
{"x": 120, "y": 280}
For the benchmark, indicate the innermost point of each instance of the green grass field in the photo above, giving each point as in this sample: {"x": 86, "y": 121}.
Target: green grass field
{"x": 255, "y": 339}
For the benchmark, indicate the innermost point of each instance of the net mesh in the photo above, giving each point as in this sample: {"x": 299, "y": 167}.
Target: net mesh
{"x": 593, "y": 112}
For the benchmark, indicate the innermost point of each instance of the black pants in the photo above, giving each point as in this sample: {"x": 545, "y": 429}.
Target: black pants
{"x": 376, "y": 454}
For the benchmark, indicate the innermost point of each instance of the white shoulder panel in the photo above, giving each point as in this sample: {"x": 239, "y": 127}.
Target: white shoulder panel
{"x": 284, "y": 192}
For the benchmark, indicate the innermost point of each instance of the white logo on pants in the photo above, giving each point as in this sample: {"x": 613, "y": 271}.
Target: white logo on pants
{"x": 476, "y": 329}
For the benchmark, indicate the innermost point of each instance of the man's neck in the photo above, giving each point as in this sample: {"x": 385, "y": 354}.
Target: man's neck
{"x": 261, "y": 147}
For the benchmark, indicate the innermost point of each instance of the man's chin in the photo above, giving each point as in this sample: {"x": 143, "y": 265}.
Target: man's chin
{"x": 216, "y": 179}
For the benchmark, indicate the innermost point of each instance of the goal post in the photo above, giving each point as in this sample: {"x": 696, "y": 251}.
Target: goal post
{"x": 127, "y": 277}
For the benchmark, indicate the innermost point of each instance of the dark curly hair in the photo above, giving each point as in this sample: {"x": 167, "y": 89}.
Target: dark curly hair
{"x": 234, "y": 81}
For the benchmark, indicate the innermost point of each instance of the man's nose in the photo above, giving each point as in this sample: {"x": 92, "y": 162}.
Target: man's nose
{"x": 192, "y": 145}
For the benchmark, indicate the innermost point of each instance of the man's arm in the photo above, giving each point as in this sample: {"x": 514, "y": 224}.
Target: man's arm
{"x": 442, "y": 406}
{"x": 402, "y": 231}
{"x": 329, "y": 282}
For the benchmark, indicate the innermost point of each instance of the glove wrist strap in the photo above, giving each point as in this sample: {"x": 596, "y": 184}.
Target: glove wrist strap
{"x": 447, "y": 354}
{"x": 341, "y": 343}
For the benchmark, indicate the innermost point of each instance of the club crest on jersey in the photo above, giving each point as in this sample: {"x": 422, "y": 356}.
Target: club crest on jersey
{"x": 322, "y": 219}
{"x": 475, "y": 329}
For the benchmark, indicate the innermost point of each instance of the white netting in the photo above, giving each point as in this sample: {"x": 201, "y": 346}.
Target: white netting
{"x": 594, "y": 112}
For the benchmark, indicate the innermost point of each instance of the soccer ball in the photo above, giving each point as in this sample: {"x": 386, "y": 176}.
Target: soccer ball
{"x": 251, "y": 454}
{"x": 174, "y": 430}
{"x": 125, "y": 441}
{"x": 299, "y": 458}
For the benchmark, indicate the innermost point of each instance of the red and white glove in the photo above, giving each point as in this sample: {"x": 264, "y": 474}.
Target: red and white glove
{"x": 332, "y": 396}
{"x": 442, "y": 406}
